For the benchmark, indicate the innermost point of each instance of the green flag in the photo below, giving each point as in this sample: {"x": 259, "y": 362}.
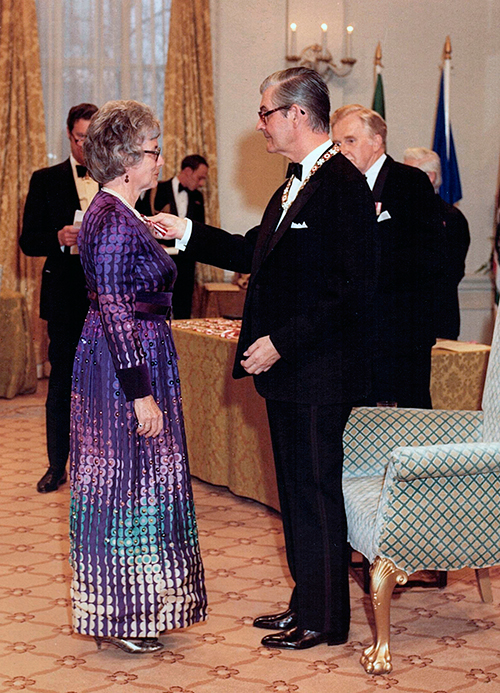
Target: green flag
{"x": 378, "y": 97}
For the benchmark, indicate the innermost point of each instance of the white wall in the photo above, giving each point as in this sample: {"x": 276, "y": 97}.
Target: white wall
{"x": 250, "y": 42}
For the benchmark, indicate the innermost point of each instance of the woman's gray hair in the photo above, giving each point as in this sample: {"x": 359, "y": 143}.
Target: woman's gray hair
{"x": 115, "y": 137}
{"x": 304, "y": 87}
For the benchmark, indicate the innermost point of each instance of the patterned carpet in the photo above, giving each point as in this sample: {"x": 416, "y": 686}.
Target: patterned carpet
{"x": 443, "y": 641}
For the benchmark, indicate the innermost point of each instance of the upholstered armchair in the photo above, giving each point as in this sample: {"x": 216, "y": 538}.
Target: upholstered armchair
{"x": 422, "y": 492}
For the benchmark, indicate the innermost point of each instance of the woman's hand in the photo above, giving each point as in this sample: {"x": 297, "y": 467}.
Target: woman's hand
{"x": 149, "y": 417}
{"x": 174, "y": 227}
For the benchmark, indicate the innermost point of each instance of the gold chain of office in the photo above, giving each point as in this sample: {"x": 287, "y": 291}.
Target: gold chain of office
{"x": 334, "y": 149}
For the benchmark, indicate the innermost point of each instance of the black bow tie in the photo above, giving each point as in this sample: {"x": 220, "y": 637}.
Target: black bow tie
{"x": 294, "y": 170}
{"x": 81, "y": 171}
{"x": 182, "y": 187}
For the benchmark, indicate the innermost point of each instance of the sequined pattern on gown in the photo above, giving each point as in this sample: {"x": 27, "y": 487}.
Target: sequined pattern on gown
{"x": 134, "y": 551}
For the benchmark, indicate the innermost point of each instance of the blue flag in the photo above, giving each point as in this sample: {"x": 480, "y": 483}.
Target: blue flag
{"x": 450, "y": 190}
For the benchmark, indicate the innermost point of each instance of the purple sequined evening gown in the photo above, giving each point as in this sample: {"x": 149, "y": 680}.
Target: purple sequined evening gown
{"x": 136, "y": 563}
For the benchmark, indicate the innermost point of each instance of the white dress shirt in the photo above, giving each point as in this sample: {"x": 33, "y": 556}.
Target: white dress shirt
{"x": 181, "y": 198}
{"x": 86, "y": 187}
{"x": 307, "y": 164}
{"x": 372, "y": 173}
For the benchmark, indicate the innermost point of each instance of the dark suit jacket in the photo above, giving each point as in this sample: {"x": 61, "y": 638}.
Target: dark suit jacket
{"x": 157, "y": 199}
{"x": 311, "y": 286}
{"x": 162, "y": 199}
{"x": 412, "y": 258}
{"x": 51, "y": 203}
{"x": 457, "y": 240}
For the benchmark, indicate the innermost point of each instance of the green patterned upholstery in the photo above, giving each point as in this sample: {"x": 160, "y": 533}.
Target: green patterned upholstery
{"x": 446, "y": 460}
{"x": 372, "y": 433}
{"x": 422, "y": 489}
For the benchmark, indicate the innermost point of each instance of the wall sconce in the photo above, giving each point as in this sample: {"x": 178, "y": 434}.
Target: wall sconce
{"x": 318, "y": 57}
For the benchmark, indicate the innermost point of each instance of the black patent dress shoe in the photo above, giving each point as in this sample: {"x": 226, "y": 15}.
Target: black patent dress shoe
{"x": 284, "y": 621}
{"x": 301, "y": 639}
{"x": 51, "y": 481}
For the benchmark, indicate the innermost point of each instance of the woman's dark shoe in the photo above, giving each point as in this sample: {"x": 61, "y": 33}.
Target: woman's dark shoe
{"x": 284, "y": 621}
{"x": 51, "y": 481}
{"x": 301, "y": 639}
{"x": 130, "y": 645}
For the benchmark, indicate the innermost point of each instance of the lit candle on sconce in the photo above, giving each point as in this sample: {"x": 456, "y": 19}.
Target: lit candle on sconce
{"x": 293, "y": 39}
{"x": 317, "y": 56}
{"x": 348, "y": 45}
{"x": 324, "y": 38}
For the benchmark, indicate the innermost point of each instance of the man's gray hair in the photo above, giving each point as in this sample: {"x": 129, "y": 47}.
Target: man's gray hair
{"x": 115, "y": 137}
{"x": 372, "y": 121}
{"x": 426, "y": 160}
{"x": 306, "y": 89}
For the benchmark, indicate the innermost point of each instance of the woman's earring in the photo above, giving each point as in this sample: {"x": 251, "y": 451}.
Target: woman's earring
{"x": 127, "y": 179}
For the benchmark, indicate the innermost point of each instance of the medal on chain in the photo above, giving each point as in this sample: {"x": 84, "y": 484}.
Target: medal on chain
{"x": 334, "y": 149}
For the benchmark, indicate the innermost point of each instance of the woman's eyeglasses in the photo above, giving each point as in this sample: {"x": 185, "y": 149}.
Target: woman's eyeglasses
{"x": 154, "y": 152}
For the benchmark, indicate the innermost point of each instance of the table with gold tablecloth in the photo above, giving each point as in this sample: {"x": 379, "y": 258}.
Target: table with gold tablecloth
{"x": 17, "y": 359}
{"x": 226, "y": 423}
{"x": 457, "y": 377}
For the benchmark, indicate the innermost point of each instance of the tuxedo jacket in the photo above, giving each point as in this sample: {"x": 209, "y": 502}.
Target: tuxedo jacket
{"x": 51, "y": 203}
{"x": 311, "y": 288}
{"x": 156, "y": 199}
{"x": 457, "y": 240}
{"x": 412, "y": 257}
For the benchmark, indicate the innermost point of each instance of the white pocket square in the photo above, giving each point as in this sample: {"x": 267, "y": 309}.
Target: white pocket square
{"x": 383, "y": 216}
{"x": 299, "y": 225}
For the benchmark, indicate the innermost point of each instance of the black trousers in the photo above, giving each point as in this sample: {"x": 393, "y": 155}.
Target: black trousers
{"x": 308, "y": 454}
{"x": 63, "y": 338}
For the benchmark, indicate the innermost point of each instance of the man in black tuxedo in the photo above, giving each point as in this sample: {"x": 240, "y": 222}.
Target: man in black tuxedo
{"x": 456, "y": 238}
{"x": 55, "y": 193}
{"x": 306, "y": 338}
{"x": 412, "y": 258}
{"x": 180, "y": 195}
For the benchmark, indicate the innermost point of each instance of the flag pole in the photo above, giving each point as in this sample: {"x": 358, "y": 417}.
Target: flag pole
{"x": 447, "y": 75}
{"x": 451, "y": 189}
{"x": 378, "y": 62}
{"x": 378, "y": 103}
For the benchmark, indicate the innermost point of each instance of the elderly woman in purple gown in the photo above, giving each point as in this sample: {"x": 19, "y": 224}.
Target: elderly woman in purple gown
{"x": 137, "y": 570}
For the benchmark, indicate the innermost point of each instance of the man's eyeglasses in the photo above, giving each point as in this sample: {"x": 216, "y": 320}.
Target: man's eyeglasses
{"x": 78, "y": 140}
{"x": 154, "y": 152}
{"x": 265, "y": 114}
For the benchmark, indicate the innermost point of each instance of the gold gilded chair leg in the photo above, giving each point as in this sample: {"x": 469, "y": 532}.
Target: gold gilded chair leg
{"x": 376, "y": 659}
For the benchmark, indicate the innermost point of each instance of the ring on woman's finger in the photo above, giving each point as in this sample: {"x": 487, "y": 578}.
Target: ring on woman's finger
{"x": 140, "y": 425}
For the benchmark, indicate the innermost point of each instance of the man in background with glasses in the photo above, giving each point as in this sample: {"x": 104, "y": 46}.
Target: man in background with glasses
{"x": 306, "y": 338}
{"x": 49, "y": 230}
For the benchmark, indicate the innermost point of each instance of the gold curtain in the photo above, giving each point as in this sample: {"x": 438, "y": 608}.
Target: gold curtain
{"x": 22, "y": 149}
{"x": 189, "y": 115}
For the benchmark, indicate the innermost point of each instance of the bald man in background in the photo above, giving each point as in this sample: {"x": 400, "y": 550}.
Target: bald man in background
{"x": 456, "y": 244}
{"x": 412, "y": 259}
